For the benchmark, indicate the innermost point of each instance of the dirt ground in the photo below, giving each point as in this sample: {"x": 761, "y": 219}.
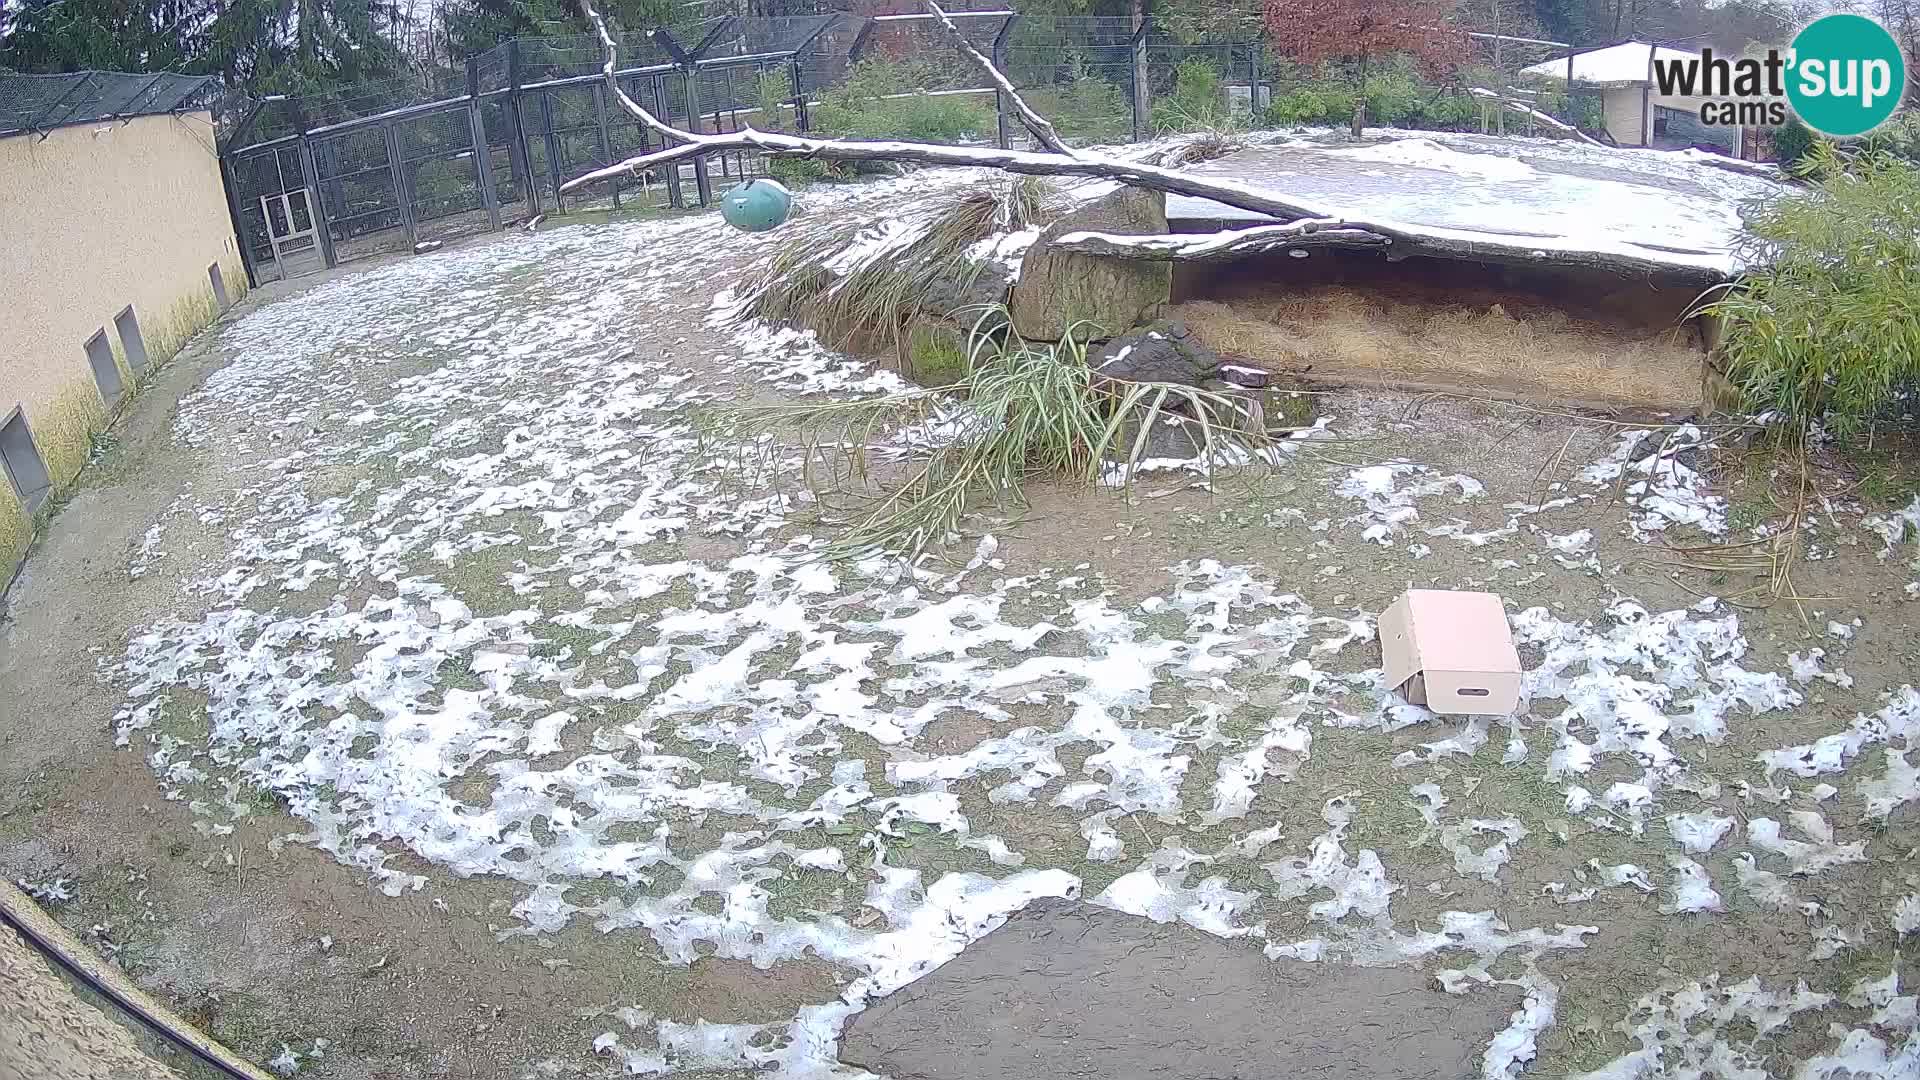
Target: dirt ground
{"x": 370, "y": 818}
{"x": 50, "y": 1033}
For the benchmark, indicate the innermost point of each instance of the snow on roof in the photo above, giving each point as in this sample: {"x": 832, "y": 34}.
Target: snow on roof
{"x": 1559, "y": 197}
{"x": 1625, "y": 63}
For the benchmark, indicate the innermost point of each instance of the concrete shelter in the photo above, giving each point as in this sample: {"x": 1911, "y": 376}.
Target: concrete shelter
{"x": 1634, "y": 112}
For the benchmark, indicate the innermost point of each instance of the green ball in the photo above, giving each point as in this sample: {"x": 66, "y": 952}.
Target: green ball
{"x": 757, "y": 206}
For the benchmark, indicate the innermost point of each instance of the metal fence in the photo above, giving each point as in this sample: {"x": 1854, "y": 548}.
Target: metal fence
{"x": 386, "y": 167}
{"x": 389, "y": 166}
{"x": 41, "y": 103}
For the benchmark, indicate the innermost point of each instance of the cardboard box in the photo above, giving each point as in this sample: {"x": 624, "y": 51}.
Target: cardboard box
{"x": 1451, "y": 651}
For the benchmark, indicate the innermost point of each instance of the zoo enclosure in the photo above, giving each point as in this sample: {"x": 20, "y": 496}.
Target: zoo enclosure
{"x": 37, "y": 104}
{"x": 317, "y": 180}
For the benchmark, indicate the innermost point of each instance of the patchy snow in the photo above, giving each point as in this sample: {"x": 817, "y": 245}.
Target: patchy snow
{"x": 1387, "y": 495}
{"x": 551, "y": 632}
{"x": 1629, "y": 62}
{"x": 1671, "y": 493}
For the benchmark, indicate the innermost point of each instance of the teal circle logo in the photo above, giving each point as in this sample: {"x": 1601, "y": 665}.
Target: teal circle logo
{"x": 1845, "y": 75}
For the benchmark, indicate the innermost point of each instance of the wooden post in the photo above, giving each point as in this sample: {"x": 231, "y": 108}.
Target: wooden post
{"x": 1140, "y": 101}
{"x": 1253, "y": 95}
{"x": 1000, "y": 126}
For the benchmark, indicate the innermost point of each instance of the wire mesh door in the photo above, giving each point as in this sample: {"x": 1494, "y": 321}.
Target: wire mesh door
{"x": 263, "y": 179}
{"x": 358, "y": 192}
{"x": 292, "y": 232}
{"x": 439, "y": 172}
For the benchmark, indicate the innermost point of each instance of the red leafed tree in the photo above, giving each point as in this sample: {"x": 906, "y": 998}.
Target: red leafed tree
{"x": 1357, "y": 32}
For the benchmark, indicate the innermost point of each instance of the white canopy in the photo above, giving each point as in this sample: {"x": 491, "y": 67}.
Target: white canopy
{"x": 1628, "y": 64}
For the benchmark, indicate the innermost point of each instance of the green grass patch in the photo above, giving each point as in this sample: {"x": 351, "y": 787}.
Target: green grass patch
{"x": 1040, "y": 412}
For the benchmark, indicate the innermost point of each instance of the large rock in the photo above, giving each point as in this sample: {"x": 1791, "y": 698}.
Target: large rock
{"x": 1162, "y": 352}
{"x": 1057, "y": 288}
{"x": 1068, "y": 990}
{"x": 966, "y": 290}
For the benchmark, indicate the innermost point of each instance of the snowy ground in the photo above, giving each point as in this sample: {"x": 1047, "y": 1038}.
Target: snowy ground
{"x": 483, "y": 608}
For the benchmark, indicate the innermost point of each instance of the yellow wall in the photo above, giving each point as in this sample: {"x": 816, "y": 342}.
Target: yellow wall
{"x": 92, "y": 218}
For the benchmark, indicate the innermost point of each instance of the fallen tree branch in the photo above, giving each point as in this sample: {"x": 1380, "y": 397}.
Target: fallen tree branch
{"x": 1401, "y": 240}
{"x": 1041, "y": 127}
{"x": 1524, "y": 109}
{"x": 1307, "y": 232}
{"x": 1397, "y": 242}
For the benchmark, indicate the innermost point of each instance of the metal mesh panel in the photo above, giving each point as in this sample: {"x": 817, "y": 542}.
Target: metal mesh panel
{"x": 922, "y": 47}
{"x": 360, "y": 101}
{"x": 544, "y": 116}
{"x": 1077, "y": 71}
{"x": 545, "y": 59}
{"x": 356, "y": 183}
{"x": 760, "y": 35}
{"x": 43, "y": 102}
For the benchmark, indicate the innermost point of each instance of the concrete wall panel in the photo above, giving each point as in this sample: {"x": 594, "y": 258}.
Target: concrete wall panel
{"x": 95, "y": 217}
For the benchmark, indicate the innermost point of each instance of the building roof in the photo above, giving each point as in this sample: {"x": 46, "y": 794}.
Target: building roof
{"x": 1627, "y": 64}
{"x": 44, "y": 102}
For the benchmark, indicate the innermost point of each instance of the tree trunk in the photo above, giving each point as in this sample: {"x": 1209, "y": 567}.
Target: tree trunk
{"x": 1360, "y": 97}
{"x": 1141, "y": 105}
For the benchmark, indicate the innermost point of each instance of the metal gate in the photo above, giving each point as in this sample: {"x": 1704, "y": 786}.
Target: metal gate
{"x": 291, "y": 232}
{"x": 275, "y": 212}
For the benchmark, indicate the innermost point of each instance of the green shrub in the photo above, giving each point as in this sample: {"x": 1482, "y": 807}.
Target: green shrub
{"x": 885, "y": 98}
{"x": 1398, "y": 95}
{"x": 1829, "y": 328}
{"x": 1197, "y": 100}
{"x": 1393, "y": 98}
{"x": 1791, "y": 142}
{"x": 1313, "y": 104}
{"x": 773, "y": 95}
{"x": 1086, "y": 109}
{"x": 794, "y": 171}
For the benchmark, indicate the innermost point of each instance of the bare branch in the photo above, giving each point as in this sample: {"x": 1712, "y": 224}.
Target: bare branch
{"x": 1395, "y": 241}
{"x": 1041, "y": 127}
{"x": 1325, "y": 227}
{"x": 613, "y": 83}
{"x": 1307, "y": 232}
